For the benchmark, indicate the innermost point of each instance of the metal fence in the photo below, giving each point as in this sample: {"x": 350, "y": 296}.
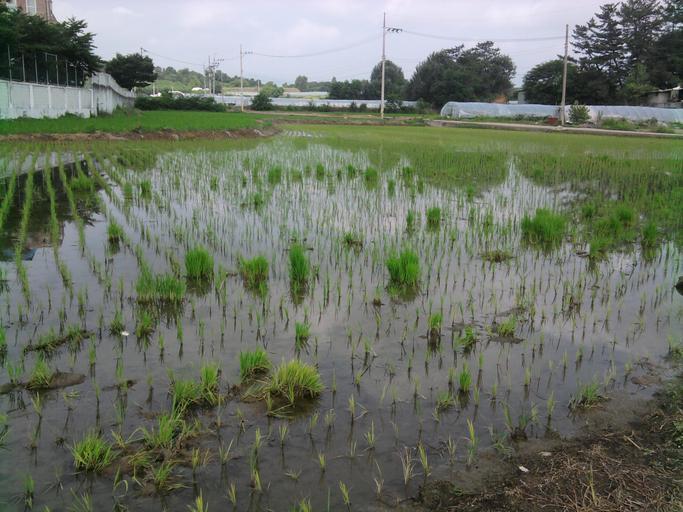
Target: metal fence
{"x": 41, "y": 68}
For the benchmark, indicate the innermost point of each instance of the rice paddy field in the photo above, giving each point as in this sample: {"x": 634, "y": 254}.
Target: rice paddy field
{"x": 323, "y": 320}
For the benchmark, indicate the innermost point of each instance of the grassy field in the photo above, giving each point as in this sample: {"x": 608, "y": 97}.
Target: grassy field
{"x": 121, "y": 122}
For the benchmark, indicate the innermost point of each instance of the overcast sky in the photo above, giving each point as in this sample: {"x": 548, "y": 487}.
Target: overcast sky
{"x": 191, "y": 30}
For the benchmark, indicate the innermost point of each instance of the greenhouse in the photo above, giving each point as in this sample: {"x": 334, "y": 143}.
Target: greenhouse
{"x": 465, "y": 110}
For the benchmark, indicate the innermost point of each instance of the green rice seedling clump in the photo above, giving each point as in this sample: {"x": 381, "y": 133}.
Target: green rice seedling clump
{"x": 254, "y": 271}
{"x": 507, "y": 327}
{"x": 433, "y": 217}
{"x": 159, "y": 288}
{"x": 41, "y": 377}
{"x": 115, "y": 232}
{"x": 545, "y": 227}
{"x": 254, "y": 362}
{"x": 302, "y": 331}
{"x": 299, "y": 267}
{"x": 294, "y": 380}
{"x": 199, "y": 264}
{"x": 587, "y": 396}
{"x": 92, "y": 453}
{"x": 404, "y": 269}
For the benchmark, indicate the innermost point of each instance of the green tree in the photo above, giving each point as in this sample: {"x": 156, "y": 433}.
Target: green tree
{"x": 134, "y": 70}
{"x": 481, "y": 73}
{"x": 261, "y": 102}
{"x": 543, "y": 83}
{"x": 301, "y": 83}
{"x": 272, "y": 90}
{"x": 394, "y": 81}
{"x": 33, "y": 37}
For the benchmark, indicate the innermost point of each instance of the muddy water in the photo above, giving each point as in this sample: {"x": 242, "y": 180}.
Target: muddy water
{"x": 612, "y": 329}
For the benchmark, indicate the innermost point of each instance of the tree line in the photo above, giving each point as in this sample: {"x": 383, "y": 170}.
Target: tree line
{"x": 626, "y": 50}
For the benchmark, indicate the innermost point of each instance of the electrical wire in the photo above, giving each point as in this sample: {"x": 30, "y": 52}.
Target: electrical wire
{"x": 323, "y": 52}
{"x": 471, "y": 40}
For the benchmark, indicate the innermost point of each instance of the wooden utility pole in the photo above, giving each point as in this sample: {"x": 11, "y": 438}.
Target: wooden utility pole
{"x": 384, "y": 58}
{"x": 564, "y": 76}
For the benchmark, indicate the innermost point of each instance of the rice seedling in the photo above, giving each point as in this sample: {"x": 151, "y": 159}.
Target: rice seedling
{"x": 424, "y": 461}
{"x": 92, "y": 453}
{"x": 434, "y": 323}
{"x": 464, "y": 379}
{"x": 407, "y": 464}
{"x": 294, "y": 381}
{"x": 199, "y": 505}
{"x": 302, "y": 332}
{"x": 41, "y": 377}
{"x": 433, "y": 217}
{"x": 145, "y": 189}
{"x": 352, "y": 239}
{"x": 545, "y": 227}
{"x": 145, "y": 324}
{"x": 198, "y": 264}
{"x": 162, "y": 478}
{"x": 404, "y": 269}
{"x": 496, "y": 255}
{"x": 411, "y": 220}
{"x": 588, "y": 395}
{"x": 299, "y": 268}
{"x": 507, "y": 327}
{"x": 472, "y": 443}
{"x": 161, "y": 288}
{"x": 253, "y": 363}
{"x": 445, "y": 400}
{"x": 345, "y": 494}
{"x": 468, "y": 338}
{"x": 115, "y": 233}
{"x": 254, "y": 272}
{"x": 170, "y": 429}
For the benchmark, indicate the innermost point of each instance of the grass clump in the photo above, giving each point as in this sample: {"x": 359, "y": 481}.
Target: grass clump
{"x": 496, "y": 256}
{"x": 433, "y": 217}
{"x": 404, "y": 269}
{"x": 294, "y": 380}
{"x": 299, "y": 267}
{"x": 188, "y": 393}
{"x": 115, "y": 233}
{"x": 587, "y": 396}
{"x": 92, "y": 453}
{"x": 254, "y": 272}
{"x": 41, "y": 377}
{"x": 159, "y": 288}
{"x": 254, "y": 362}
{"x": 199, "y": 264}
{"x": 170, "y": 430}
{"x": 434, "y": 322}
{"x": 545, "y": 227}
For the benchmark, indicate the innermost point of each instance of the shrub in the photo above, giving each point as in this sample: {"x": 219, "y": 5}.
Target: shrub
{"x": 261, "y": 102}
{"x": 404, "y": 269}
{"x": 545, "y": 227}
{"x": 168, "y": 102}
{"x": 295, "y": 380}
{"x": 254, "y": 362}
{"x": 199, "y": 263}
{"x": 579, "y": 114}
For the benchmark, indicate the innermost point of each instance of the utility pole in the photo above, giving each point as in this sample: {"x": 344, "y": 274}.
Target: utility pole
{"x": 241, "y": 79}
{"x": 385, "y": 29}
{"x": 384, "y": 58}
{"x": 564, "y": 76}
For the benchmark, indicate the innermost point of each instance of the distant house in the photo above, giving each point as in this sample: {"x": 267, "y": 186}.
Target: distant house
{"x": 42, "y": 8}
{"x": 666, "y": 98}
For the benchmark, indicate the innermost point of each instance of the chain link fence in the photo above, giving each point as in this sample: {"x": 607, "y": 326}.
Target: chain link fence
{"x": 40, "y": 68}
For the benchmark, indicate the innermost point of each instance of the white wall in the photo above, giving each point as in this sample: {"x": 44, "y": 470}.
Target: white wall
{"x": 101, "y": 94}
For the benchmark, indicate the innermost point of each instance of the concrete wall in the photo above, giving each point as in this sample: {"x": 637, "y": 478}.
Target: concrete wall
{"x": 101, "y": 94}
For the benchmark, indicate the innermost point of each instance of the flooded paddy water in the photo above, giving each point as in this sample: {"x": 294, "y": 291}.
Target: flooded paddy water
{"x": 495, "y": 327}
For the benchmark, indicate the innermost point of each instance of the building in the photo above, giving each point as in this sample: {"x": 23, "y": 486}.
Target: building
{"x": 666, "y": 98}
{"x": 42, "y": 8}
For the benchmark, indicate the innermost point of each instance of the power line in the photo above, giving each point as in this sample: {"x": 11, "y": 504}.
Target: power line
{"x": 323, "y": 52}
{"x": 471, "y": 40}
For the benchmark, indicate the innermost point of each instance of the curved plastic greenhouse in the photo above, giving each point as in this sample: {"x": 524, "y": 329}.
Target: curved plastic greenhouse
{"x": 460, "y": 110}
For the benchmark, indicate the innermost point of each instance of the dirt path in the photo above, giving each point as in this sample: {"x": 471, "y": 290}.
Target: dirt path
{"x": 550, "y": 129}
{"x": 628, "y": 458}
